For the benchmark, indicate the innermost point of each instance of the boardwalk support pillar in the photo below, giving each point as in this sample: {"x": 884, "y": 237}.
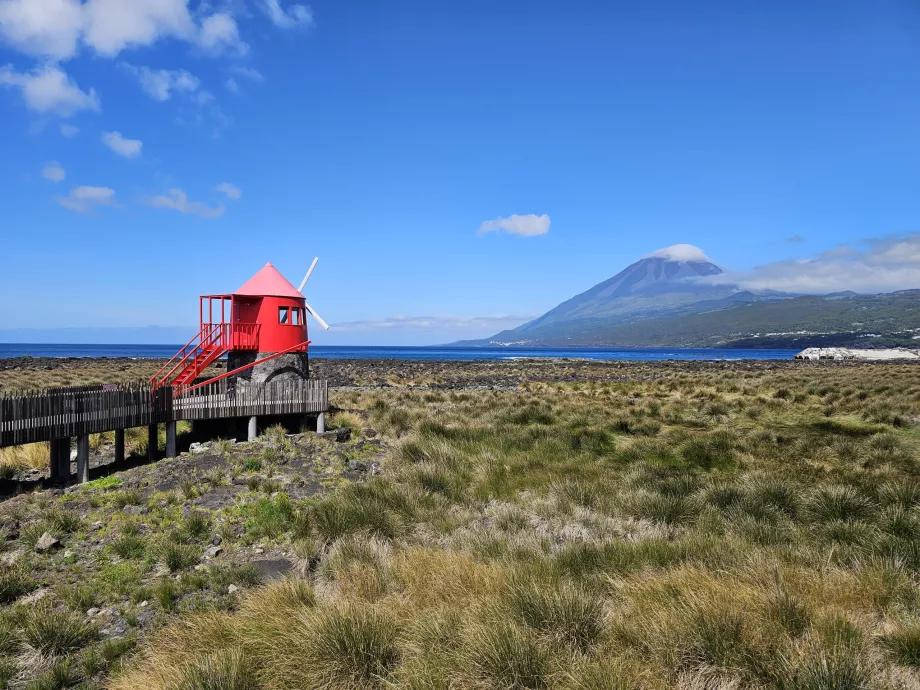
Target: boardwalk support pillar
{"x": 252, "y": 431}
{"x": 53, "y": 462}
{"x": 171, "y": 439}
{"x": 153, "y": 440}
{"x": 64, "y": 460}
{"x": 83, "y": 459}
{"x": 119, "y": 445}
{"x": 321, "y": 423}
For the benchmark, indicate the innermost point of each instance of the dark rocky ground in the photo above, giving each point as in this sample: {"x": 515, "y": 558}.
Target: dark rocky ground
{"x": 127, "y": 551}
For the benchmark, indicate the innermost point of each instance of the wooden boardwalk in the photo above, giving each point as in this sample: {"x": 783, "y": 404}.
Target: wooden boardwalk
{"x": 77, "y": 412}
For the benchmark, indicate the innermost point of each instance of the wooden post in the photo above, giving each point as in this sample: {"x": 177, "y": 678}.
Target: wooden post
{"x": 171, "y": 439}
{"x": 119, "y": 445}
{"x": 253, "y": 429}
{"x": 64, "y": 460}
{"x": 153, "y": 440}
{"x": 83, "y": 458}
{"x": 54, "y": 467}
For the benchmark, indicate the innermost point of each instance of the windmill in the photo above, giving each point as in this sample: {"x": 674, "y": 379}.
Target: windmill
{"x": 261, "y": 328}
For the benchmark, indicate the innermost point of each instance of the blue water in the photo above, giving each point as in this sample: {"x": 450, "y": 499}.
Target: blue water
{"x": 422, "y": 353}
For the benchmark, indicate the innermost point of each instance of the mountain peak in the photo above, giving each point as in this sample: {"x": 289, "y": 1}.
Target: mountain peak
{"x": 680, "y": 252}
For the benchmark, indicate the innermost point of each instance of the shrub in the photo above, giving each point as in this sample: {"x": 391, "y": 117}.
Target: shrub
{"x": 54, "y": 632}
{"x": 14, "y": 582}
{"x": 839, "y": 671}
{"x": 79, "y": 597}
{"x": 565, "y": 613}
{"x": 507, "y": 656}
{"x": 125, "y": 497}
{"x": 177, "y": 556}
{"x": 841, "y": 502}
{"x": 246, "y": 575}
{"x": 222, "y": 446}
{"x": 225, "y": 669}
{"x": 62, "y": 522}
{"x": 352, "y": 646}
{"x": 196, "y": 524}
{"x": 130, "y": 546}
{"x": 669, "y": 510}
{"x": 788, "y": 612}
{"x": 166, "y": 592}
{"x": 903, "y": 643}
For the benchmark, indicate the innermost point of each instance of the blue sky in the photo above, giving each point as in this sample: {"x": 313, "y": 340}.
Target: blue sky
{"x": 154, "y": 150}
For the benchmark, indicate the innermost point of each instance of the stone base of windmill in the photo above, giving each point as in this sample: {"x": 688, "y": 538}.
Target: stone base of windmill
{"x": 292, "y": 366}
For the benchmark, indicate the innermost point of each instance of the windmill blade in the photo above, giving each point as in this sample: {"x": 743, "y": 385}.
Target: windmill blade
{"x": 316, "y": 316}
{"x": 307, "y": 277}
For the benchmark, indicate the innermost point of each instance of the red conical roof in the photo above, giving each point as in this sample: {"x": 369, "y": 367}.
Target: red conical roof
{"x": 268, "y": 282}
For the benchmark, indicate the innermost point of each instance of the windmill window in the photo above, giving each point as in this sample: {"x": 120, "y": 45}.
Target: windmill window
{"x": 295, "y": 316}
{"x": 283, "y": 314}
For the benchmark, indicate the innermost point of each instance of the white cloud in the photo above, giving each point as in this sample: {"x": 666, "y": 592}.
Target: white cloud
{"x": 69, "y": 131}
{"x": 296, "y": 15}
{"x": 219, "y": 33}
{"x": 54, "y": 171}
{"x": 524, "y": 226}
{"x": 129, "y": 148}
{"x": 86, "y": 199}
{"x": 178, "y": 201}
{"x": 466, "y": 324}
{"x": 113, "y": 25}
{"x": 231, "y": 190}
{"x": 46, "y": 28}
{"x": 48, "y": 89}
{"x": 879, "y": 265}
{"x": 247, "y": 72}
{"x": 161, "y": 84}
{"x": 232, "y": 86}
{"x": 57, "y": 28}
{"x": 680, "y": 252}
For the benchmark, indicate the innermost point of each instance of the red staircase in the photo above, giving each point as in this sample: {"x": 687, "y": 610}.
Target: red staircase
{"x": 213, "y": 341}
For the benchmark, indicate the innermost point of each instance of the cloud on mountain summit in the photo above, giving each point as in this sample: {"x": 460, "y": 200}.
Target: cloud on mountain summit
{"x": 873, "y": 265}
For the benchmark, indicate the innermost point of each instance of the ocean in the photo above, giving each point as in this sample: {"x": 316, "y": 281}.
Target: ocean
{"x": 420, "y": 353}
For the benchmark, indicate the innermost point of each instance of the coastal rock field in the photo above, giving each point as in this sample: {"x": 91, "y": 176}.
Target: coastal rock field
{"x": 518, "y": 524}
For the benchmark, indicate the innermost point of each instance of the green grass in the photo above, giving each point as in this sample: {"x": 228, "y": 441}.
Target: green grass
{"x": 603, "y": 525}
{"x": 109, "y": 482}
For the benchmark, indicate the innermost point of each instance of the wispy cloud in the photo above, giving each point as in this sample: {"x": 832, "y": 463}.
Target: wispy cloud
{"x": 162, "y": 84}
{"x": 48, "y": 89}
{"x": 177, "y": 200}
{"x": 873, "y": 265}
{"x": 464, "y": 324}
{"x": 231, "y": 190}
{"x": 295, "y": 15}
{"x": 69, "y": 131}
{"x": 220, "y": 34}
{"x": 795, "y": 239}
{"x": 232, "y": 86}
{"x": 248, "y": 72}
{"x": 129, "y": 148}
{"x": 54, "y": 171}
{"x": 86, "y": 200}
{"x": 523, "y": 226}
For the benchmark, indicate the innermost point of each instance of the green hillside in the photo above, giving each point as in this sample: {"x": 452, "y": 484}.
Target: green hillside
{"x": 847, "y": 320}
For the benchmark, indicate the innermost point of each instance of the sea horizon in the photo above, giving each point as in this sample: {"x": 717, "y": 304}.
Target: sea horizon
{"x": 412, "y": 352}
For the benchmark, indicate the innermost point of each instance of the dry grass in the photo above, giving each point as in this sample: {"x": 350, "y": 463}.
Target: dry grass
{"x": 32, "y": 456}
{"x": 655, "y": 526}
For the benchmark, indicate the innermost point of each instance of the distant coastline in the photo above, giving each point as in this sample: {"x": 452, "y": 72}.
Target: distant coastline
{"x": 447, "y": 353}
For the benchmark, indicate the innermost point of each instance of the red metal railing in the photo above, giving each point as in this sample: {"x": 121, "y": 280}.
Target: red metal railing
{"x": 210, "y": 338}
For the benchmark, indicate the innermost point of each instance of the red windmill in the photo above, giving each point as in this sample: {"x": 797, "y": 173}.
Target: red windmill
{"x": 262, "y": 328}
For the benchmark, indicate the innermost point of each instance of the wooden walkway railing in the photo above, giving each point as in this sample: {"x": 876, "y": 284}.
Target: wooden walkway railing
{"x": 229, "y": 398}
{"x": 82, "y": 410}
